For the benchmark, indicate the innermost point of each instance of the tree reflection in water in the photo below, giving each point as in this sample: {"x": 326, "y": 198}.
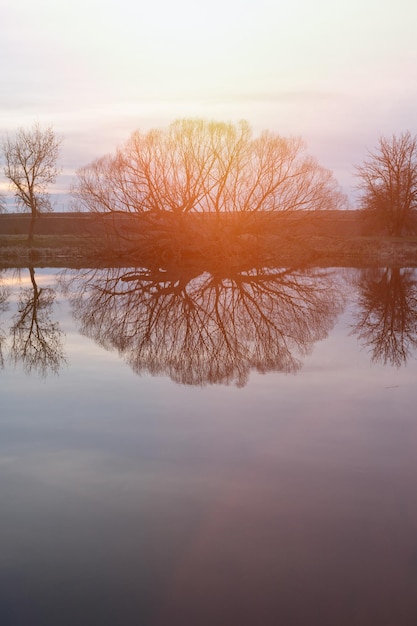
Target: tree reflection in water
{"x": 36, "y": 340}
{"x": 386, "y": 322}
{"x": 201, "y": 328}
{"x": 4, "y": 296}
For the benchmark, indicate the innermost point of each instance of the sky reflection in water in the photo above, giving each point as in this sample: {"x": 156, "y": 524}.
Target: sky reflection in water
{"x": 277, "y": 498}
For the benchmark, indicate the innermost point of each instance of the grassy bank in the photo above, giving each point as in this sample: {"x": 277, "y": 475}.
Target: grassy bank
{"x": 246, "y": 250}
{"x": 46, "y": 250}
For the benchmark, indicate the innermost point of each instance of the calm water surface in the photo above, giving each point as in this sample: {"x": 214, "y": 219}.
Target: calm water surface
{"x": 181, "y": 448}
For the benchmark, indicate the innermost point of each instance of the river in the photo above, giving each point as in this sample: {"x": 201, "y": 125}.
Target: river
{"x": 183, "y": 448}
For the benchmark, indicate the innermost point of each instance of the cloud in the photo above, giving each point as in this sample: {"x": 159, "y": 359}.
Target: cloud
{"x": 279, "y": 97}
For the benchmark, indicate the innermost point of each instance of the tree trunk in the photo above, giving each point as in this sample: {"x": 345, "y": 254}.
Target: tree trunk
{"x": 32, "y": 227}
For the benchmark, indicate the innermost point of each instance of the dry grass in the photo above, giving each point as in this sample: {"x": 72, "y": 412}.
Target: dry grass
{"x": 212, "y": 249}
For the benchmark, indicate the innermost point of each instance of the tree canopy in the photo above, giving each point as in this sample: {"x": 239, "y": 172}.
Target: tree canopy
{"x": 199, "y": 165}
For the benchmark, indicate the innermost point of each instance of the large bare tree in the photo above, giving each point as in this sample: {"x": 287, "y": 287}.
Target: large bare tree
{"x": 388, "y": 182}
{"x": 198, "y": 165}
{"x": 30, "y": 164}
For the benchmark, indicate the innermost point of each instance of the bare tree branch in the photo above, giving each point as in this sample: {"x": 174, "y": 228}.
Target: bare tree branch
{"x": 203, "y": 166}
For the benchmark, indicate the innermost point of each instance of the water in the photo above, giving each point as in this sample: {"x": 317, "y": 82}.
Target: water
{"x": 180, "y": 448}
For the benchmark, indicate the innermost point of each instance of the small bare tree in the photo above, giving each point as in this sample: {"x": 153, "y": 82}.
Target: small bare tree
{"x": 388, "y": 182}
{"x": 30, "y": 165}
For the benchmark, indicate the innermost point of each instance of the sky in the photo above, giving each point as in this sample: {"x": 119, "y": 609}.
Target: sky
{"x": 337, "y": 74}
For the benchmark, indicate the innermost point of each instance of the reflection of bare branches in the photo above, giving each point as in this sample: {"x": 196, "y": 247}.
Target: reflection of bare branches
{"x": 387, "y": 320}
{"x": 4, "y": 295}
{"x": 36, "y": 339}
{"x": 204, "y": 328}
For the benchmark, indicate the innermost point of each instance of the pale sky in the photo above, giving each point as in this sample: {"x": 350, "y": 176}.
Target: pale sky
{"x": 337, "y": 74}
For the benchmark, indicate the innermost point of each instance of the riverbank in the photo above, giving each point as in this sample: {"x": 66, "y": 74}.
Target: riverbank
{"x": 212, "y": 255}
{"x": 214, "y": 242}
